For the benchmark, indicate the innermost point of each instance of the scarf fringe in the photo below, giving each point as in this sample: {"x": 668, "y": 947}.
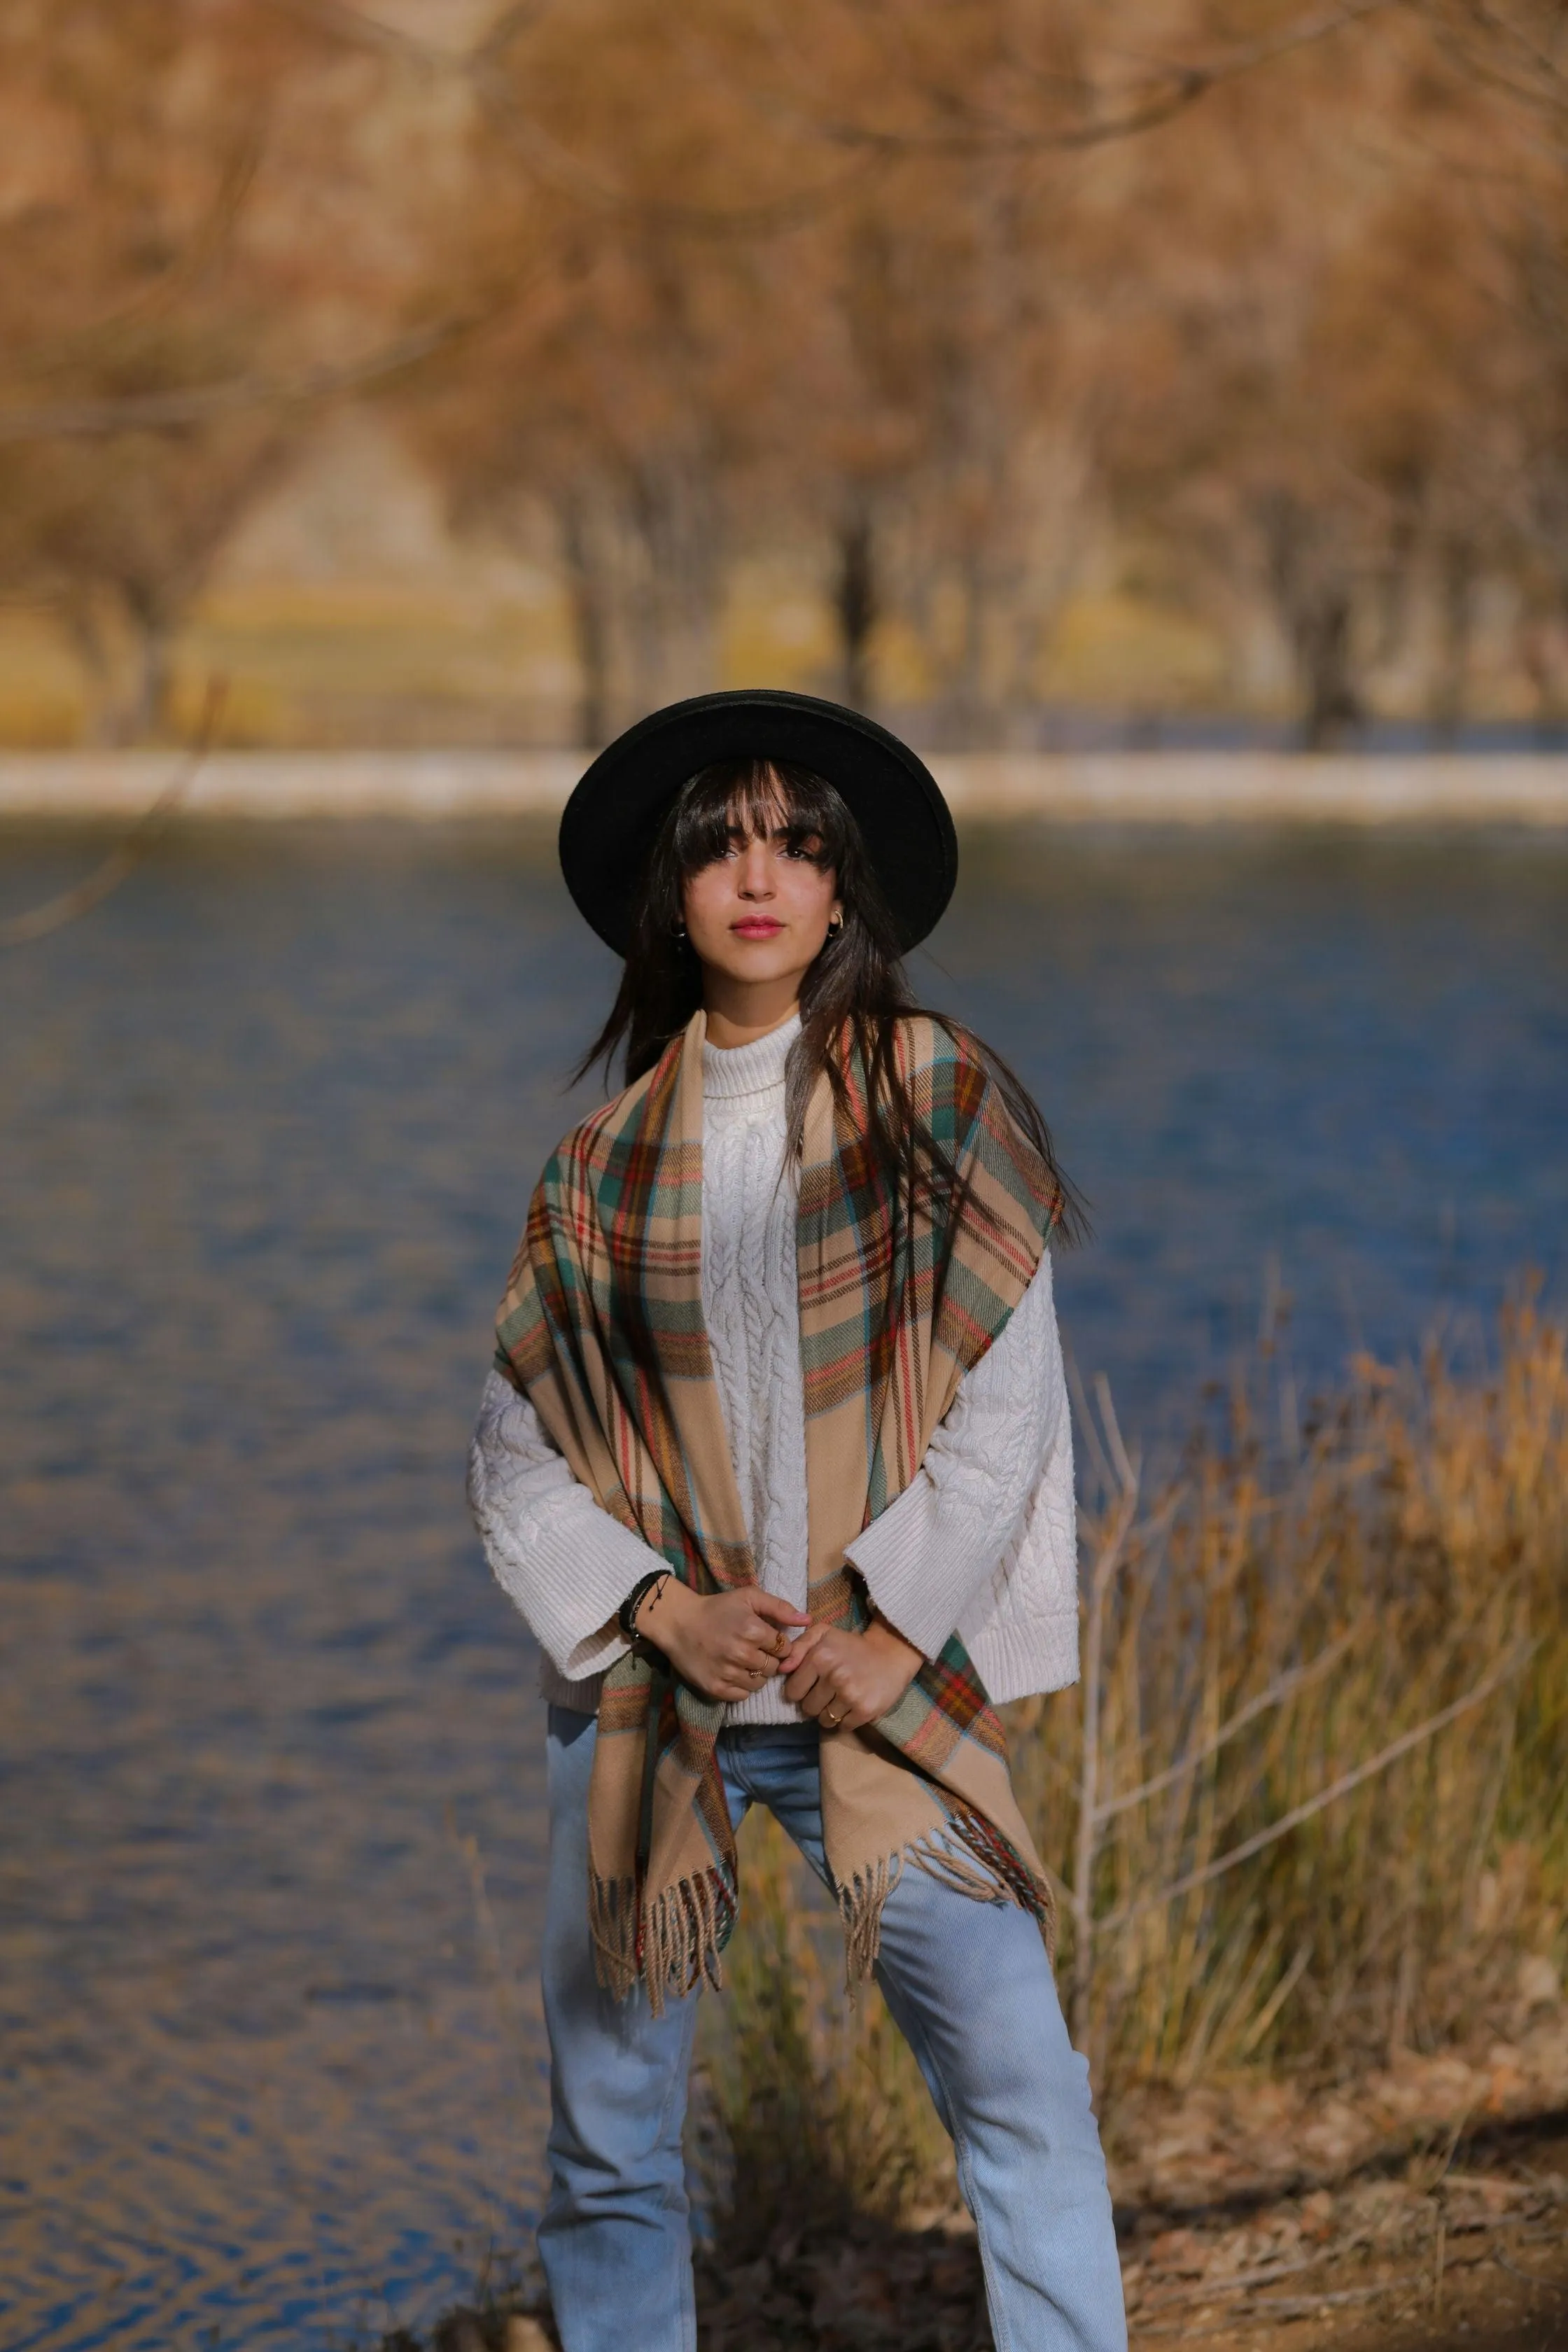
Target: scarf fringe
{"x": 672, "y": 1943}
{"x": 995, "y": 1873}
{"x": 860, "y": 1905}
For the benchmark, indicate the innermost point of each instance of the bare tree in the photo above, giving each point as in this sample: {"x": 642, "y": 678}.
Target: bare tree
{"x": 170, "y": 311}
{"x": 839, "y": 285}
{"x": 1324, "y": 411}
{"x": 937, "y": 297}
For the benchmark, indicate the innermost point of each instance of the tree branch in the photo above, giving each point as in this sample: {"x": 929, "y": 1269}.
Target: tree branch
{"x": 539, "y": 153}
{"x": 361, "y": 30}
{"x": 53, "y": 914}
{"x": 1140, "y": 107}
{"x": 178, "y": 409}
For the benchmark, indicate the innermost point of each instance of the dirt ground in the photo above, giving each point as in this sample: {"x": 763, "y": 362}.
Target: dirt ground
{"x": 1474, "y": 2259}
{"x": 1466, "y": 2247}
{"x": 1463, "y": 2249}
{"x": 1466, "y": 2252}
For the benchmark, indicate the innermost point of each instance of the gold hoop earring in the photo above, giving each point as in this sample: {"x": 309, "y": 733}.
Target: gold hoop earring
{"x": 835, "y": 925}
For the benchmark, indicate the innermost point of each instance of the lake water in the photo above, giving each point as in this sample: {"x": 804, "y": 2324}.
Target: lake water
{"x": 270, "y": 1745}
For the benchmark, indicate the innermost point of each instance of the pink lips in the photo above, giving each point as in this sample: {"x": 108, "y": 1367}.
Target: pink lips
{"x": 757, "y": 927}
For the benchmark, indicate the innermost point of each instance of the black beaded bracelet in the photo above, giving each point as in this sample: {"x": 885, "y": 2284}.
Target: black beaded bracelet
{"x": 627, "y": 1615}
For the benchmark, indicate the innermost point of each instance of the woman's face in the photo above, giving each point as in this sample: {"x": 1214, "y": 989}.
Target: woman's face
{"x": 759, "y": 913}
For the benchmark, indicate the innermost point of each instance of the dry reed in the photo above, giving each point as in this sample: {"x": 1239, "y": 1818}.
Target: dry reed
{"x": 1309, "y": 1805}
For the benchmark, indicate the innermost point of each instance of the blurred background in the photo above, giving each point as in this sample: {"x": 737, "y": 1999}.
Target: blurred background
{"x": 452, "y": 373}
{"x": 462, "y": 378}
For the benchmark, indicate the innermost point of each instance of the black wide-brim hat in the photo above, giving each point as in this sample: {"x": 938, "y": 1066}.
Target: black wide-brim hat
{"x": 609, "y": 825}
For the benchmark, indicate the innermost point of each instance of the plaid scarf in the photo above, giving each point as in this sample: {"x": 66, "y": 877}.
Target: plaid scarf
{"x": 601, "y": 1327}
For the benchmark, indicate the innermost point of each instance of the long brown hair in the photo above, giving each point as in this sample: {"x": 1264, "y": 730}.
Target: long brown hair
{"x": 856, "y": 982}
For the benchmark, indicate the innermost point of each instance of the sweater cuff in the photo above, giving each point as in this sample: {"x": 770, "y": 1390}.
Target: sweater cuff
{"x": 1016, "y": 1655}
{"x": 565, "y": 1562}
{"x": 894, "y": 1556}
{"x": 582, "y": 1570}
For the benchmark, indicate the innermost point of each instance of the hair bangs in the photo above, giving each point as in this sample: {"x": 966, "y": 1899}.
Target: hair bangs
{"x": 756, "y": 797}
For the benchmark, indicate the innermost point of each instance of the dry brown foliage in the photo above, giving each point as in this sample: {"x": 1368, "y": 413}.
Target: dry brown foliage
{"x": 1258, "y": 312}
{"x": 1307, "y": 1809}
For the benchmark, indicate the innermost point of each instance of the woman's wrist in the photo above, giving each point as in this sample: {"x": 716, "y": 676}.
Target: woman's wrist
{"x": 889, "y": 1639}
{"x": 631, "y": 1608}
{"x": 654, "y": 1611}
{"x": 665, "y": 1611}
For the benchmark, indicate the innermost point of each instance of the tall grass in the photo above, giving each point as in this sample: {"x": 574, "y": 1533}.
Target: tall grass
{"x": 1308, "y": 1806}
{"x": 1311, "y": 1794}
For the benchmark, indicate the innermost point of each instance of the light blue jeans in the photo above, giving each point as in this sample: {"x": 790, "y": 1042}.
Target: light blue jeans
{"x": 970, "y": 1987}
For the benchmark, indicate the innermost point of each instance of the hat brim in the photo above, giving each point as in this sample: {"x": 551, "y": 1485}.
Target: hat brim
{"x": 610, "y": 823}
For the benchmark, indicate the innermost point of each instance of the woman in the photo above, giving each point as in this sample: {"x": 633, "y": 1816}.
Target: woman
{"x": 776, "y": 1461}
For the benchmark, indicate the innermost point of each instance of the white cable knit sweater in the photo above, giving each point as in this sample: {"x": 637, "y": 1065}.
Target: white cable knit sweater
{"x": 983, "y": 1542}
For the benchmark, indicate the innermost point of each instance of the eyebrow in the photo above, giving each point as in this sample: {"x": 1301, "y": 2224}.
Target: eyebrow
{"x": 775, "y": 832}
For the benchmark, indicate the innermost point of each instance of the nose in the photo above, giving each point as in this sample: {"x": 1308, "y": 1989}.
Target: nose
{"x": 755, "y": 879}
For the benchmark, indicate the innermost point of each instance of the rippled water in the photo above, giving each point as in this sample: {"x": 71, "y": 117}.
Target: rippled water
{"x": 269, "y": 1744}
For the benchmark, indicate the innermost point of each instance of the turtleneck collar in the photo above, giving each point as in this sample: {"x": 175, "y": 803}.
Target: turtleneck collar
{"x": 751, "y": 1069}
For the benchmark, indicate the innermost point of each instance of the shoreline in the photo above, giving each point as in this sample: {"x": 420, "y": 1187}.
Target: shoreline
{"x": 1123, "y": 788}
{"x": 1460, "y": 2249}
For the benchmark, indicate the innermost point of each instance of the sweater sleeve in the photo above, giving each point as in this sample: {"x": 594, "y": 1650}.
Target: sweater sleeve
{"x": 929, "y": 1555}
{"x": 565, "y": 1563}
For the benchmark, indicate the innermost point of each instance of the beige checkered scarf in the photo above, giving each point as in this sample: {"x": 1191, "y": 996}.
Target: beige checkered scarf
{"x": 601, "y": 1327}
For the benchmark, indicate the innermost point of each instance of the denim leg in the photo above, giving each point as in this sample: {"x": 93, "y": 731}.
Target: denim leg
{"x": 972, "y": 1991}
{"x": 616, "y": 2237}
{"x": 971, "y": 1988}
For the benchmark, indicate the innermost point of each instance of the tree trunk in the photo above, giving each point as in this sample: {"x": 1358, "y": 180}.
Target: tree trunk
{"x": 588, "y": 592}
{"x": 676, "y": 506}
{"x": 1333, "y": 707}
{"x": 145, "y": 705}
{"x": 1538, "y": 650}
{"x": 85, "y": 628}
{"x": 1309, "y": 579}
{"x": 855, "y": 606}
{"x": 1456, "y": 622}
{"x": 971, "y": 718}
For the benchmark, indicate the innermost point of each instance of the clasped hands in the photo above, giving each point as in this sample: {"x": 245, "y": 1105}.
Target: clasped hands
{"x": 729, "y": 1644}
